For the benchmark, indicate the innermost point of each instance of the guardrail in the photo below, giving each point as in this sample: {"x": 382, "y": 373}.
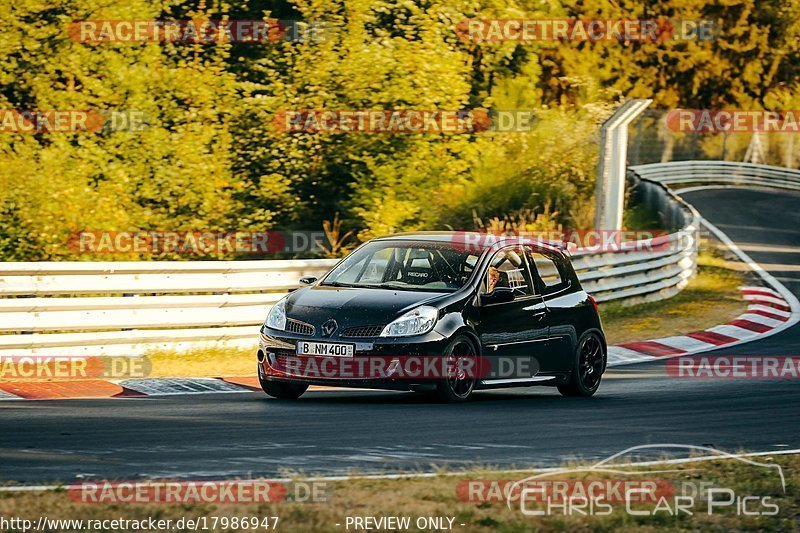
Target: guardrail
{"x": 127, "y": 308}
{"x": 724, "y": 172}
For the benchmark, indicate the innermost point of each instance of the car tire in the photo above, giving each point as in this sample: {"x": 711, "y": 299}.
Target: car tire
{"x": 588, "y": 366}
{"x": 458, "y": 388}
{"x": 283, "y": 391}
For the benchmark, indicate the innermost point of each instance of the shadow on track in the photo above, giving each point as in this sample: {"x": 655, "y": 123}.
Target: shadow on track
{"x": 543, "y": 397}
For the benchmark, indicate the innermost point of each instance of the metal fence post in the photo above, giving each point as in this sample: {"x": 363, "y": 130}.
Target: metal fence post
{"x": 610, "y": 196}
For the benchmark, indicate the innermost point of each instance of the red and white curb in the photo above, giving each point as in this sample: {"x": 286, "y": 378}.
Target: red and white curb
{"x": 767, "y": 313}
{"x": 127, "y": 388}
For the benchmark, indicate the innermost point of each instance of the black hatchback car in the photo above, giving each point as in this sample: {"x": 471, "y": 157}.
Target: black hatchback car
{"x": 442, "y": 312}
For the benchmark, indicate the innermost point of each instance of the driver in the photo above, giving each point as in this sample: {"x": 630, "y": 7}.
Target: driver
{"x": 494, "y": 277}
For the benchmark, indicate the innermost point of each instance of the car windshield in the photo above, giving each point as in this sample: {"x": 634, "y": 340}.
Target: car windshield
{"x": 414, "y": 266}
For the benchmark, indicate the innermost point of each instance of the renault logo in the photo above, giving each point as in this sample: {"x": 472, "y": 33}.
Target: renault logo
{"x": 329, "y": 327}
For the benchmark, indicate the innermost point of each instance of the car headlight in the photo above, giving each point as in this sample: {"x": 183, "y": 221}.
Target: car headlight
{"x": 415, "y": 322}
{"x": 276, "y": 319}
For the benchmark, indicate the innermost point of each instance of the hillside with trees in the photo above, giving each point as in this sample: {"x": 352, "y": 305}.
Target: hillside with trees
{"x": 212, "y": 158}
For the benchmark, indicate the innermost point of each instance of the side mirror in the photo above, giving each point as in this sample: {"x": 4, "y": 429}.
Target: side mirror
{"x": 308, "y": 280}
{"x": 499, "y": 295}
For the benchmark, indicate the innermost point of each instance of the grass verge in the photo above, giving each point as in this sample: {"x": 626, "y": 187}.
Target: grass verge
{"x": 711, "y": 298}
{"x": 446, "y": 496}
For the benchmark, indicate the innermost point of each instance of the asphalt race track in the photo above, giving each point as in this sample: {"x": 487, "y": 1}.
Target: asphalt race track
{"x": 335, "y": 432}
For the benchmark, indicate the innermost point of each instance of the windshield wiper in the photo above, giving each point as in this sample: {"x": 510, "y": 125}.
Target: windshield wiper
{"x": 337, "y": 284}
{"x": 391, "y": 285}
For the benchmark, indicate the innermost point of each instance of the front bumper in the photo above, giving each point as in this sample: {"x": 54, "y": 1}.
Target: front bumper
{"x": 275, "y": 348}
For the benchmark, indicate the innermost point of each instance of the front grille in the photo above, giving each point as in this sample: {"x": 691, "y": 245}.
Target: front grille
{"x": 281, "y": 361}
{"x": 301, "y": 328}
{"x": 307, "y": 366}
{"x": 363, "y": 331}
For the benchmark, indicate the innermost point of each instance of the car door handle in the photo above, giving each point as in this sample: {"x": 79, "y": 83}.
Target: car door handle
{"x": 538, "y": 315}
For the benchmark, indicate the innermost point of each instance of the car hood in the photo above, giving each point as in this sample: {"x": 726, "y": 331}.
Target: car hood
{"x": 353, "y": 306}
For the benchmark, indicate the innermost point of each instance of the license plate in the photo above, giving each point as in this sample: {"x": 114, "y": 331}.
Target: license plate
{"x": 325, "y": 349}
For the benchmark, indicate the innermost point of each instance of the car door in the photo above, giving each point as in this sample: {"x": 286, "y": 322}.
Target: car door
{"x": 513, "y": 334}
{"x": 553, "y": 283}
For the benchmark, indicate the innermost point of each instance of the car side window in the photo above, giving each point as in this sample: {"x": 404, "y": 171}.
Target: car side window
{"x": 508, "y": 269}
{"x": 547, "y": 271}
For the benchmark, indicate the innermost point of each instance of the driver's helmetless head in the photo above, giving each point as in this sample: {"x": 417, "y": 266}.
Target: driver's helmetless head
{"x": 494, "y": 276}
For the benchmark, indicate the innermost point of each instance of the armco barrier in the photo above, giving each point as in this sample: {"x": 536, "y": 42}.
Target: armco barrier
{"x": 127, "y": 308}
{"x": 724, "y": 172}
